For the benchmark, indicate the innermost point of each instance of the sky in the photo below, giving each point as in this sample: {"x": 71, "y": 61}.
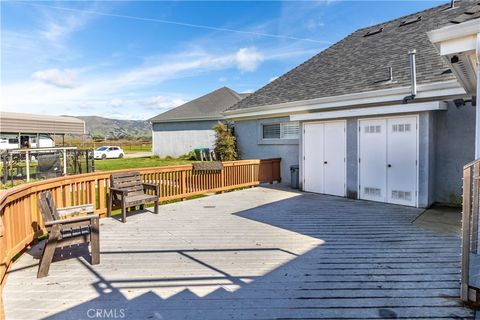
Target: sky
{"x": 134, "y": 60}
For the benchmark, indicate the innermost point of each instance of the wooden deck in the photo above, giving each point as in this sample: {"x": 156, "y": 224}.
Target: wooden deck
{"x": 260, "y": 253}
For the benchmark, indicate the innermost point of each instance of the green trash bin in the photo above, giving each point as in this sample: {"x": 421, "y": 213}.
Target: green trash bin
{"x": 198, "y": 154}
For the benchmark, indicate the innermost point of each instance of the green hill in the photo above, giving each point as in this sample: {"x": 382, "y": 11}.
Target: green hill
{"x": 116, "y": 129}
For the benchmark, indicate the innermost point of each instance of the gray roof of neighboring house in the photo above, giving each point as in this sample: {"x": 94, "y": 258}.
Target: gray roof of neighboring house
{"x": 13, "y": 122}
{"x": 358, "y": 63}
{"x": 209, "y": 106}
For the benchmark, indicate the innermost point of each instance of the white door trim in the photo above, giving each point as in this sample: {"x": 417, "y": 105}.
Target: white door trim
{"x": 345, "y": 151}
{"x": 417, "y": 118}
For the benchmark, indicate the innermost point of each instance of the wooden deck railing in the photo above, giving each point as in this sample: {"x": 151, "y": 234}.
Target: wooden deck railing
{"x": 470, "y": 215}
{"x": 21, "y": 222}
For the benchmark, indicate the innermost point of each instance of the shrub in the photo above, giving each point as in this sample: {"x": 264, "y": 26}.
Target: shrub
{"x": 188, "y": 156}
{"x": 225, "y": 143}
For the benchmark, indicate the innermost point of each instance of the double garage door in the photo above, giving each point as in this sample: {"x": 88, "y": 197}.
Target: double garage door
{"x": 387, "y": 159}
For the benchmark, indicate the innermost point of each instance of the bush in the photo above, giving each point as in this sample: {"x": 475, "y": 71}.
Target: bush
{"x": 188, "y": 156}
{"x": 225, "y": 143}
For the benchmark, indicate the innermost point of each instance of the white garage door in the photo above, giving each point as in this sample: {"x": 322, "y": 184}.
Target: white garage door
{"x": 388, "y": 160}
{"x": 324, "y": 157}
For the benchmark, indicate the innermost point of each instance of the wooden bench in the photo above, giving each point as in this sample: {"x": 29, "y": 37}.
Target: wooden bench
{"x": 127, "y": 190}
{"x": 65, "y": 230}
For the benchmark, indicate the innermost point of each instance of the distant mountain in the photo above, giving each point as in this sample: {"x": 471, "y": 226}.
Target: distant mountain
{"x": 113, "y": 128}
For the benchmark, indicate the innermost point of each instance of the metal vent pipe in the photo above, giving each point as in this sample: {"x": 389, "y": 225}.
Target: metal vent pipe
{"x": 413, "y": 72}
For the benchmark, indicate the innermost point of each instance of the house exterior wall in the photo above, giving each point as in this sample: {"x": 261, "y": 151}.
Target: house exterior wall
{"x": 445, "y": 145}
{"x": 424, "y": 198}
{"x": 454, "y": 147}
{"x": 252, "y": 146}
{"x": 178, "y": 138}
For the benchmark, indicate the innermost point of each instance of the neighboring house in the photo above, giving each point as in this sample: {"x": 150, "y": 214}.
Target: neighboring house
{"x": 189, "y": 126}
{"x": 22, "y": 130}
{"x": 369, "y": 117}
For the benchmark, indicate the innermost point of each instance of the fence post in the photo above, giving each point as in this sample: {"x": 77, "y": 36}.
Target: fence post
{"x": 65, "y": 162}
{"x": 5, "y": 167}
{"x": 222, "y": 180}
{"x": 183, "y": 184}
{"x": 27, "y": 165}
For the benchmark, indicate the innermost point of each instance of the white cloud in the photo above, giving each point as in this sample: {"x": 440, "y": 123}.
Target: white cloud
{"x": 57, "y": 25}
{"x": 313, "y": 24}
{"x": 223, "y": 79}
{"x": 248, "y": 59}
{"x": 272, "y": 79}
{"x": 161, "y": 102}
{"x": 116, "y": 103}
{"x": 56, "y": 77}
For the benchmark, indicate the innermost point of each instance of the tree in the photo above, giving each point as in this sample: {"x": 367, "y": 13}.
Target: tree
{"x": 225, "y": 143}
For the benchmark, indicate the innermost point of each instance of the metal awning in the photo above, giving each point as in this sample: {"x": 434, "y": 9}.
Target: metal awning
{"x": 12, "y": 122}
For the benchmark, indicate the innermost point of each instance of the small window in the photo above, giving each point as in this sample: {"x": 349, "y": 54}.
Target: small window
{"x": 271, "y": 131}
{"x": 283, "y": 130}
{"x": 12, "y": 141}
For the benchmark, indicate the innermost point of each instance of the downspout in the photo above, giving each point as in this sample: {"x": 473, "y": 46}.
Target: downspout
{"x": 413, "y": 77}
{"x": 477, "y": 114}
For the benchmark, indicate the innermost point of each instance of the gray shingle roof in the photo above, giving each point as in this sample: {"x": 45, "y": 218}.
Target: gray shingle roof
{"x": 210, "y": 105}
{"x": 358, "y": 63}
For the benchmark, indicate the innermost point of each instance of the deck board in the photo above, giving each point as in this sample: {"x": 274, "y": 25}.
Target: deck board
{"x": 262, "y": 253}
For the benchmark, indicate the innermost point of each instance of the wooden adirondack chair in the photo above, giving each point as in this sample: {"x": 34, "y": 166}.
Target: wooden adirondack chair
{"x": 65, "y": 230}
{"x": 127, "y": 190}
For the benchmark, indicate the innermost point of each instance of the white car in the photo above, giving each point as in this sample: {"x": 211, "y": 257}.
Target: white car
{"x": 108, "y": 152}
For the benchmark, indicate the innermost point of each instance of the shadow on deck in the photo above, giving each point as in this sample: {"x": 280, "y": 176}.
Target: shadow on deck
{"x": 286, "y": 255}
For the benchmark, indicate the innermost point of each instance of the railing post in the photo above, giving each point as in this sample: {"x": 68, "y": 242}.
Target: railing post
{"x": 474, "y": 222}
{"x": 222, "y": 180}
{"x": 252, "y": 173}
{"x": 467, "y": 184}
{"x": 183, "y": 184}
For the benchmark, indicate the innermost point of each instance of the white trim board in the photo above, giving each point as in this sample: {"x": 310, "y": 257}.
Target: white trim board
{"x": 454, "y": 31}
{"x": 205, "y": 118}
{"x": 425, "y": 91}
{"x": 373, "y": 111}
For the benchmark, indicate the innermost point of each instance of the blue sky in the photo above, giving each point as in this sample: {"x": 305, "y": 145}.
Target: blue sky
{"x": 133, "y": 60}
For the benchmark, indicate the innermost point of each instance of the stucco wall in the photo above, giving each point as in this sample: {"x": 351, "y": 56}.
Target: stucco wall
{"x": 446, "y": 144}
{"x": 248, "y": 133}
{"x": 178, "y": 138}
{"x": 424, "y": 197}
{"x": 454, "y": 147}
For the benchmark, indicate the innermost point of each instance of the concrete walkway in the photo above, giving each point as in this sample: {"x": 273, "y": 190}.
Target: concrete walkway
{"x": 261, "y": 253}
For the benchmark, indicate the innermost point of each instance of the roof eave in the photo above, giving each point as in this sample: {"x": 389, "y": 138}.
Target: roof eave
{"x": 425, "y": 91}
{"x": 190, "y": 119}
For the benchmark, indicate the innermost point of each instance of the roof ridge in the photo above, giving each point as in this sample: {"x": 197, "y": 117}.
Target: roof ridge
{"x": 232, "y": 92}
{"x": 402, "y": 17}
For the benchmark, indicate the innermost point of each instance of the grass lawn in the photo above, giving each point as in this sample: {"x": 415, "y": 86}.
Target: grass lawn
{"x": 125, "y": 163}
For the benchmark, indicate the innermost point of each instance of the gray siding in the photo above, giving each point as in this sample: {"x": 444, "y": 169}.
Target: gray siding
{"x": 178, "y": 138}
{"x": 253, "y": 147}
{"x": 184, "y": 125}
